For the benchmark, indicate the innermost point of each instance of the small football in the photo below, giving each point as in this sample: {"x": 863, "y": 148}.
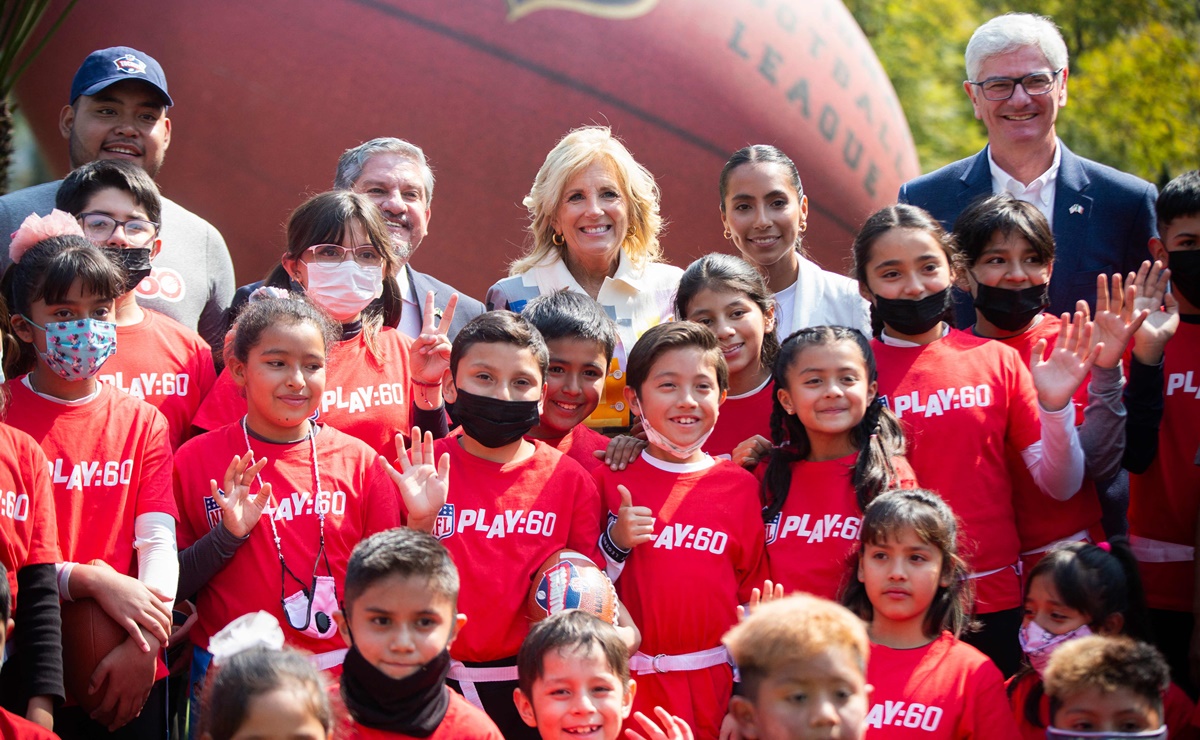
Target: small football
{"x": 88, "y": 634}
{"x": 569, "y": 580}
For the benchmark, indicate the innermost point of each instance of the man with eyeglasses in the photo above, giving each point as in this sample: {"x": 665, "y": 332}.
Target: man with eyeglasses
{"x": 1102, "y": 218}
{"x": 118, "y": 110}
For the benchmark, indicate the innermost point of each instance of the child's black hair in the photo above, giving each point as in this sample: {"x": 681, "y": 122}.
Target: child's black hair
{"x": 255, "y": 672}
{"x": 1002, "y": 214}
{"x": 933, "y": 522}
{"x": 85, "y": 181}
{"x": 258, "y": 315}
{"x": 401, "y": 552}
{"x": 658, "y": 340}
{"x": 500, "y": 327}
{"x": 572, "y": 631}
{"x": 565, "y": 314}
{"x": 878, "y": 437}
{"x": 726, "y": 273}
{"x": 900, "y": 216}
{"x": 46, "y": 272}
{"x": 1180, "y": 197}
{"x": 1097, "y": 582}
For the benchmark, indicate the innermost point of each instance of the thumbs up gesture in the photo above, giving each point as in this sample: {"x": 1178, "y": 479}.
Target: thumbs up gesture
{"x": 634, "y": 525}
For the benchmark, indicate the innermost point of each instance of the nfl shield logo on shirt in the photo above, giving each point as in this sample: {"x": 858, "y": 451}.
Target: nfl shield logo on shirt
{"x": 773, "y": 528}
{"x": 212, "y": 510}
{"x": 443, "y": 526}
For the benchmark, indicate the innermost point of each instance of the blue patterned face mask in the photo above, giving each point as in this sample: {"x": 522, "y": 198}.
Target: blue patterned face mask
{"x": 76, "y": 349}
{"x": 1053, "y": 733}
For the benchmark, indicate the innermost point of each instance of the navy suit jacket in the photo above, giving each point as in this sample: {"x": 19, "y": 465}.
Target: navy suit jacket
{"x": 1110, "y": 234}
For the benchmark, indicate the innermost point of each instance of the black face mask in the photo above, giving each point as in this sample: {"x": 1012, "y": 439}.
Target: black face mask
{"x": 1011, "y": 310}
{"x": 1185, "y": 274}
{"x": 494, "y": 423}
{"x": 135, "y": 261}
{"x": 413, "y": 706}
{"x": 913, "y": 317}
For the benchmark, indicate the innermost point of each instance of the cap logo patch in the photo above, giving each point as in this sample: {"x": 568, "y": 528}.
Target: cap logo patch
{"x": 130, "y": 65}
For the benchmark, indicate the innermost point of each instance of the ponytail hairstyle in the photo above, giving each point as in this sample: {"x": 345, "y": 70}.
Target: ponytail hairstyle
{"x": 326, "y": 219}
{"x": 931, "y": 519}
{"x": 901, "y": 216}
{"x": 878, "y": 436}
{"x": 45, "y": 272}
{"x": 1100, "y": 581}
{"x": 763, "y": 154}
{"x": 726, "y": 273}
{"x": 260, "y": 314}
{"x": 252, "y": 673}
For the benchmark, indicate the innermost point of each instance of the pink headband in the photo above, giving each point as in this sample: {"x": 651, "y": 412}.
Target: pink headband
{"x": 35, "y": 228}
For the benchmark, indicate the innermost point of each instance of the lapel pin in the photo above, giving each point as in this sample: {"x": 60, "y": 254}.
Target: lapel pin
{"x": 1075, "y": 208}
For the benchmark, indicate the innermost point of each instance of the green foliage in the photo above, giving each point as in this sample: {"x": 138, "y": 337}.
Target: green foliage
{"x": 1134, "y": 85}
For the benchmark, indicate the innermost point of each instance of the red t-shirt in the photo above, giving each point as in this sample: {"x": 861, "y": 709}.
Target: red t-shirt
{"x": 463, "y": 721}
{"x": 1177, "y": 707}
{"x": 964, "y": 402}
{"x": 1163, "y": 501}
{"x": 1042, "y": 519}
{"x": 365, "y": 398}
{"x": 683, "y": 588}
{"x": 579, "y": 444}
{"x": 500, "y": 523}
{"x": 13, "y": 727}
{"x": 28, "y": 532}
{"x": 740, "y": 418}
{"x": 357, "y": 494}
{"x": 109, "y": 461}
{"x": 165, "y": 364}
{"x": 946, "y": 689}
{"x": 813, "y": 536}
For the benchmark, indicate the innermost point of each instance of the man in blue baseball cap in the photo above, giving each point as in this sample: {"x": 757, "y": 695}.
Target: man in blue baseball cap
{"x": 118, "y": 110}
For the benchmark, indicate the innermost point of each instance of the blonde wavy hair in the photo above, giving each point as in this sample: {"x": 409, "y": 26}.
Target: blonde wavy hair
{"x": 575, "y": 152}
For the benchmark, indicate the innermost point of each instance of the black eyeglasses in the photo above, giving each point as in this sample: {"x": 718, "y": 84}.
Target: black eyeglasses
{"x": 1002, "y": 88}
{"x": 99, "y": 227}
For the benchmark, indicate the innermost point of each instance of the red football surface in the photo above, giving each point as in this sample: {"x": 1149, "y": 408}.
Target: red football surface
{"x": 569, "y": 580}
{"x": 269, "y": 93}
{"x": 88, "y": 635}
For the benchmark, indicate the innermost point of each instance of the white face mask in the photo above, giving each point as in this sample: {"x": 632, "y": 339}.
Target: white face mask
{"x": 1038, "y": 643}
{"x": 343, "y": 289}
{"x": 659, "y": 440}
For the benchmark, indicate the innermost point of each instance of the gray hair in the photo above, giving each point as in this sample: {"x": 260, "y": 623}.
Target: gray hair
{"x": 350, "y": 164}
{"x": 1013, "y": 31}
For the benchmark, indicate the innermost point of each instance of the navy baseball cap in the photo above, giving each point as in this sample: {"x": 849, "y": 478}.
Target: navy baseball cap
{"x": 107, "y": 66}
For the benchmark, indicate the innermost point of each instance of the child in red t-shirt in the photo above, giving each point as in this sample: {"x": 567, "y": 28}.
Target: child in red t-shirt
{"x": 966, "y": 403}
{"x": 1164, "y": 510}
{"x": 500, "y": 503}
{"x": 1008, "y": 248}
{"x": 14, "y": 726}
{"x": 693, "y": 525}
{"x": 910, "y": 586}
{"x": 339, "y": 255}
{"x": 109, "y": 462}
{"x": 580, "y": 339}
{"x": 836, "y": 449}
{"x": 158, "y": 360}
{"x": 399, "y": 616}
{"x": 730, "y": 297}
{"x": 1079, "y": 589}
{"x": 573, "y": 671}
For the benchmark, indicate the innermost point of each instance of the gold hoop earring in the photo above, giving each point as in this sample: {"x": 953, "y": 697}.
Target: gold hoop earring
{"x": 728, "y": 233}
{"x": 803, "y": 227}
{"x": 557, "y": 239}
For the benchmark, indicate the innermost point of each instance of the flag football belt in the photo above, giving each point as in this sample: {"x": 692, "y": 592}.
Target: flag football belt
{"x": 1015, "y": 566}
{"x": 1147, "y": 550}
{"x": 331, "y": 659}
{"x": 642, "y": 663}
{"x": 467, "y": 676}
{"x": 1080, "y": 536}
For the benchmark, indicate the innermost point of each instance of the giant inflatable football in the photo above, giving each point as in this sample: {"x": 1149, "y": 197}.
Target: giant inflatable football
{"x": 269, "y": 93}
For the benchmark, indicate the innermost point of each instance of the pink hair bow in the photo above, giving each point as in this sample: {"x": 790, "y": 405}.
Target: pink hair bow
{"x": 35, "y": 228}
